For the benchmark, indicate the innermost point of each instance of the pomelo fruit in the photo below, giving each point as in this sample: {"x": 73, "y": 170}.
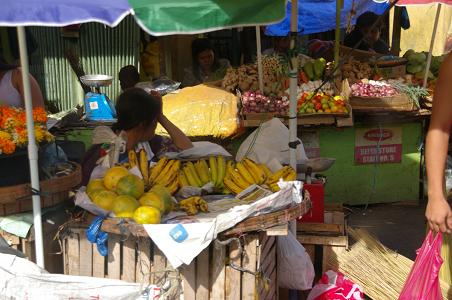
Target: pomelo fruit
{"x": 152, "y": 199}
{"x": 124, "y": 204}
{"x": 104, "y": 199}
{"x": 126, "y": 214}
{"x": 113, "y": 175}
{"x": 164, "y": 195}
{"x": 130, "y": 185}
{"x": 94, "y": 185}
{"x": 147, "y": 215}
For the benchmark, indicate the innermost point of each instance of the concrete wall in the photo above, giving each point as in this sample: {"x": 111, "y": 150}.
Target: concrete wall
{"x": 419, "y": 35}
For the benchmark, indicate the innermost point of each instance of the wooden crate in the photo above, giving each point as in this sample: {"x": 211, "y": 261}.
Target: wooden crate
{"x": 53, "y": 256}
{"x": 321, "y": 240}
{"x": 212, "y": 275}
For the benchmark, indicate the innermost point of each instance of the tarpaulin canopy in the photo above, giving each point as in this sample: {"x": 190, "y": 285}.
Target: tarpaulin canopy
{"x": 316, "y": 16}
{"x": 158, "y": 17}
{"x": 422, "y": 2}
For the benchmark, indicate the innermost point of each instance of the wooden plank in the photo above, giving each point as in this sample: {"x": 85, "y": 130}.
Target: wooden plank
{"x": 73, "y": 251}
{"x": 218, "y": 276}
{"x": 98, "y": 263}
{"x": 250, "y": 263}
{"x": 323, "y": 240}
{"x": 189, "y": 281}
{"x": 143, "y": 266}
{"x": 334, "y": 207}
{"x": 233, "y": 277}
{"x": 321, "y": 227}
{"x": 11, "y": 239}
{"x": 267, "y": 247}
{"x": 86, "y": 259}
{"x": 159, "y": 265}
{"x": 114, "y": 257}
{"x": 338, "y": 217}
{"x": 202, "y": 275}
{"x": 282, "y": 229}
{"x": 128, "y": 259}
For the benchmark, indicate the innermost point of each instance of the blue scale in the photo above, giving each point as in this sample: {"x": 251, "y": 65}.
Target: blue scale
{"x": 98, "y": 107}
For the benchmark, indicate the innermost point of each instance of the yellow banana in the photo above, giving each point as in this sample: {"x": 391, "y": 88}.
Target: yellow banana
{"x": 192, "y": 169}
{"x": 213, "y": 169}
{"x": 226, "y": 191}
{"x": 174, "y": 185}
{"x": 238, "y": 179}
{"x": 132, "y": 158}
{"x": 291, "y": 176}
{"x": 255, "y": 171}
{"x": 221, "y": 166}
{"x": 230, "y": 185}
{"x": 274, "y": 187}
{"x": 169, "y": 173}
{"x": 203, "y": 171}
{"x": 202, "y": 204}
{"x": 245, "y": 173}
{"x": 266, "y": 170}
{"x": 182, "y": 179}
{"x": 155, "y": 170}
{"x": 144, "y": 166}
{"x": 190, "y": 177}
{"x": 278, "y": 174}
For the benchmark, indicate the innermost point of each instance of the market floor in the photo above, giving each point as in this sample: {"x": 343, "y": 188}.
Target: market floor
{"x": 399, "y": 227}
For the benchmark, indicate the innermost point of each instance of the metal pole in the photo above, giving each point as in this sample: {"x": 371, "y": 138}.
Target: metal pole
{"x": 432, "y": 43}
{"x": 32, "y": 149}
{"x": 337, "y": 34}
{"x": 260, "y": 72}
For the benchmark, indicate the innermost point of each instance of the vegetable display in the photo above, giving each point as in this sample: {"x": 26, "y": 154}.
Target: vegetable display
{"x": 354, "y": 71}
{"x": 321, "y": 103}
{"x": 373, "y": 89}
{"x": 256, "y": 102}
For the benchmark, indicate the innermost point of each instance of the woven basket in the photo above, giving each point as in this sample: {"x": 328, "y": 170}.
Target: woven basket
{"x": 17, "y": 199}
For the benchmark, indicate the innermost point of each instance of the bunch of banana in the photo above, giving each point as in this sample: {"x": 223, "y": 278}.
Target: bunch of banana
{"x": 218, "y": 170}
{"x": 286, "y": 173}
{"x": 166, "y": 173}
{"x": 144, "y": 166}
{"x": 191, "y": 176}
{"x": 244, "y": 174}
{"x": 193, "y": 205}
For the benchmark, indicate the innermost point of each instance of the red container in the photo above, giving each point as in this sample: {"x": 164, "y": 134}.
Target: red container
{"x": 317, "y": 194}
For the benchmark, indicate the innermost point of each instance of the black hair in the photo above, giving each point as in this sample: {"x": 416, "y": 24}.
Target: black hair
{"x": 198, "y": 46}
{"x": 4, "y": 66}
{"x": 129, "y": 71}
{"x": 367, "y": 19}
{"x": 136, "y": 107}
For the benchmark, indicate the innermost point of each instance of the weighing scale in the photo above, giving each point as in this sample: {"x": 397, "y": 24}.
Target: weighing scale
{"x": 98, "y": 107}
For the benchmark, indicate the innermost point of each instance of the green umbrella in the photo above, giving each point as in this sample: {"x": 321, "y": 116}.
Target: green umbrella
{"x": 197, "y": 16}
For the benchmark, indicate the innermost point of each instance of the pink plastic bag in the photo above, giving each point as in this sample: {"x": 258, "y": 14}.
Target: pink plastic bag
{"x": 335, "y": 286}
{"x": 423, "y": 281}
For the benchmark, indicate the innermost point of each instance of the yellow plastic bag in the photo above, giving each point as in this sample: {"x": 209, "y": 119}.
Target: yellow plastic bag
{"x": 202, "y": 111}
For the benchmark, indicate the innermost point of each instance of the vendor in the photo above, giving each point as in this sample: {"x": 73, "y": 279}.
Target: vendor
{"x": 128, "y": 77}
{"x": 281, "y": 45}
{"x": 206, "y": 66}
{"x": 363, "y": 28}
{"x": 137, "y": 116}
{"x": 12, "y": 88}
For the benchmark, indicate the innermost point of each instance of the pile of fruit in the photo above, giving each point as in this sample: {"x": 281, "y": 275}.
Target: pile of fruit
{"x": 256, "y": 102}
{"x": 321, "y": 103}
{"x": 417, "y": 62}
{"x": 245, "y": 77}
{"x": 314, "y": 70}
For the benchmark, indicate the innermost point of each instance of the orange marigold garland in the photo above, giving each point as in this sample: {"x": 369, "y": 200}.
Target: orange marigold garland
{"x": 13, "y": 128}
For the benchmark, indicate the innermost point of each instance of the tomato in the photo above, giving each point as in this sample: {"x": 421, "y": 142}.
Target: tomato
{"x": 318, "y": 106}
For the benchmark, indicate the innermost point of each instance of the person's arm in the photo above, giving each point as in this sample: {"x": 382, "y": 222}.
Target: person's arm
{"x": 179, "y": 138}
{"x": 438, "y": 212}
{"x": 36, "y": 94}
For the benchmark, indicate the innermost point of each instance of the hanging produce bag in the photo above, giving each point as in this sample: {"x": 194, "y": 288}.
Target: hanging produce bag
{"x": 423, "y": 281}
{"x": 335, "y": 286}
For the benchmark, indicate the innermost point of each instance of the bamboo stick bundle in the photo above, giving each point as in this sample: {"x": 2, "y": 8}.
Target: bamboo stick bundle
{"x": 380, "y": 271}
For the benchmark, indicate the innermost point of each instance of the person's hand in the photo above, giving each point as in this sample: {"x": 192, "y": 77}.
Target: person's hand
{"x": 439, "y": 215}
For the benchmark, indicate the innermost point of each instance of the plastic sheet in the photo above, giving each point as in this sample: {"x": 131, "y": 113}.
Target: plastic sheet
{"x": 163, "y": 85}
{"x": 201, "y": 111}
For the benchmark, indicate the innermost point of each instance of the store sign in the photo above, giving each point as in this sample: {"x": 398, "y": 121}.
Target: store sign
{"x": 378, "y": 145}
{"x": 310, "y": 139}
